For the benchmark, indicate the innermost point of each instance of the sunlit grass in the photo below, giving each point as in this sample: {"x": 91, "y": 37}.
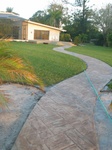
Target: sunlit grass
{"x": 102, "y": 53}
{"x": 51, "y": 66}
{"x": 14, "y": 69}
{"x": 99, "y": 52}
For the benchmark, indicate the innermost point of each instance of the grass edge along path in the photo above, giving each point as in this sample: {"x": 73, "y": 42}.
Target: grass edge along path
{"x": 102, "y": 53}
{"x": 51, "y": 66}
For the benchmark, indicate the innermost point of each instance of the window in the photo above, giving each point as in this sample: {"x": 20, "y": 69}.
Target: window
{"x": 41, "y": 34}
{"x": 15, "y": 32}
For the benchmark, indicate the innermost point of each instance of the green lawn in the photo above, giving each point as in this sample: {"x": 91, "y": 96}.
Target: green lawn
{"x": 51, "y": 66}
{"x": 102, "y": 53}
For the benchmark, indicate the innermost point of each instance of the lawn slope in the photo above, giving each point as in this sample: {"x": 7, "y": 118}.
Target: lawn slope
{"x": 99, "y": 52}
{"x": 51, "y": 66}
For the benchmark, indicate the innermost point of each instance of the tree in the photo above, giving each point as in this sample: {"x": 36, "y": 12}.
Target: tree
{"x": 82, "y": 14}
{"x": 55, "y": 12}
{"x": 14, "y": 69}
{"x": 103, "y": 21}
{"x": 9, "y": 9}
{"x": 81, "y": 22}
{"x": 39, "y": 16}
{"x": 54, "y": 15}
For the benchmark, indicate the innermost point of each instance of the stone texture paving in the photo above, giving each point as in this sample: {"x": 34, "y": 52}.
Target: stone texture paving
{"x": 64, "y": 117}
{"x": 103, "y": 123}
{"x": 22, "y": 100}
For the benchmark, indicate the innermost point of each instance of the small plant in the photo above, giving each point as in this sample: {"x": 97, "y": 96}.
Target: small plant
{"x": 65, "y": 37}
{"x": 83, "y": 38}
{"x": 14, "y": 69}
{"x": 77, "y": 40}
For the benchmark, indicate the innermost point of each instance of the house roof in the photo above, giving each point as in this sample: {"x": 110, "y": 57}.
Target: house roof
{"x": 43, "y": 25}
{"x": 10, "y": 15}
{"x": 15, "y": 17}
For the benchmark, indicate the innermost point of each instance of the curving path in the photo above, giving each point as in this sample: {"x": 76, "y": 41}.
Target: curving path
{"x": 66, "y": 117}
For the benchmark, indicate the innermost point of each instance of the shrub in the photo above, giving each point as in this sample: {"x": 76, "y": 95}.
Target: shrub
{"x": 100, "y": 40}
{"x": 77, "y": 40}
{"x": 65, "y": 37}
{"x": 83, "y": 37}
{"x": 109, "y": 39}
{"x": 61, "y": 37}
{"x": 14, "y": 69}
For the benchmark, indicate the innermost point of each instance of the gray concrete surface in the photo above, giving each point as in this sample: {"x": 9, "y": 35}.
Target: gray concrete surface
{"x": 22, "y": 100}
{"x": 69, "y": 116}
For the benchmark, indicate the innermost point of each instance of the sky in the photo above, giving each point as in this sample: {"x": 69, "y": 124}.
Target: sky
{"x": 26, "y": 8}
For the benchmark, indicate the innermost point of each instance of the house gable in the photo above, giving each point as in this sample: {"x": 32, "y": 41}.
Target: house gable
{"x": 37, "y": 31}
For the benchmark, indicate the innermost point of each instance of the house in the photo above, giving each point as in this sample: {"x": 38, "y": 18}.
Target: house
{"x": 28, "y": 30}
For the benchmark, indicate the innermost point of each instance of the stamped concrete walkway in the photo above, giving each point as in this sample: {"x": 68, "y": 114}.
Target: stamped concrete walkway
{"x": 64, "y": 117}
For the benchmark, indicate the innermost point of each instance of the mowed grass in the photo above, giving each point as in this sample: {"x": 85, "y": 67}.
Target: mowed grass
{"x": 51, "y": 66}
{"x": 101, "y": 53}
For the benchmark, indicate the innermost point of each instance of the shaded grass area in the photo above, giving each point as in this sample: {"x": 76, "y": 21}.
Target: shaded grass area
{"x": 51, "y": 66}
{"x": 99, "y": 52}
{"x": 102, "y": 53}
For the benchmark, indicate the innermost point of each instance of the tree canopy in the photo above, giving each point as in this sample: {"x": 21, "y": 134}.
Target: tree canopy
{"x": 9, "y": 9}
{"x": 54, "y": 15}
{"x": 82, "y": 21}
{"x": 103, "y": 21}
